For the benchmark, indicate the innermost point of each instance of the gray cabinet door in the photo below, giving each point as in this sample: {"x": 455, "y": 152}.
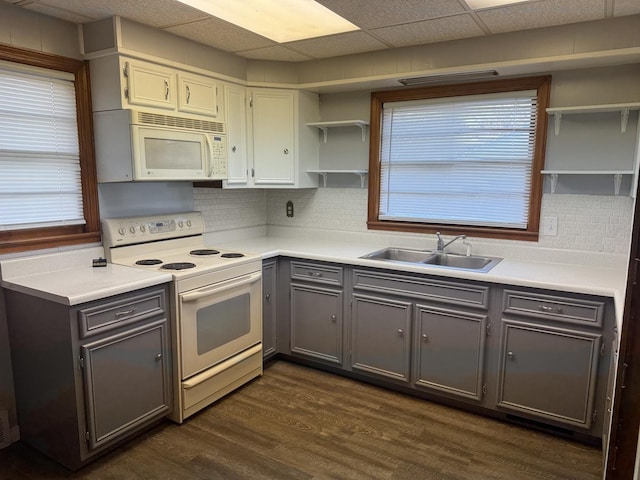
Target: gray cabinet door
{"x": 268, "y": 309}
{"x": 449, "y": 351}
{"x": 380, "y": 338}
{"x": 316, "y": 322}
{"x": 548, "y": 372}
{"x": 126, "y": 380}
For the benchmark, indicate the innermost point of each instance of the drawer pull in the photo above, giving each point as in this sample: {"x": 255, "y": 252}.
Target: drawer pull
{"x": 425, "y": 338}
{"x": 333, "y": 318}
{"x": 125, "y": 313}
{"x": 159, "y": 357}
{"x": 511, "y": 355}
{"x": 548, "y": 309}
{"x": 400, "y": 332}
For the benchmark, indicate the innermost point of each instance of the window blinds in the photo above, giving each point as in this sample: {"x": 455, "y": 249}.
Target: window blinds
{"x": 460, "y": 161}
{"x": 39, "y": 156}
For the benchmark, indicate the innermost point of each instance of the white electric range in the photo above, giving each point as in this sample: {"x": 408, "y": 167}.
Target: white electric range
{"x": 216, "y": 303}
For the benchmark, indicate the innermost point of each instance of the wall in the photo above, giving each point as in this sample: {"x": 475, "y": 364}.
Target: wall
{"x": 25, "y": 29}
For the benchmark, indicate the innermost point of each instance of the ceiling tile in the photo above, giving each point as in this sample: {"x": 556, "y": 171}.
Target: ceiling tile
{"x": 156, "y": 13}
{"x": 545, "y": 13}
{"x": 626, "y": 7}
{"x": 337, "y": 45}
{"x": 222, "y": 35}
{"x": 275, "y": 53}
{"x": 438, "y": 30}
{"x": 380, "y": 13}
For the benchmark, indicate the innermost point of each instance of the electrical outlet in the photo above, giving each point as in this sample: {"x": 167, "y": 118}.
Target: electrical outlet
{"x": 289, "y": 208}
{"x": 550, "y": 226}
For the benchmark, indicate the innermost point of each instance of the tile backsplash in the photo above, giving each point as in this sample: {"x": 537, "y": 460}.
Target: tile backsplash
{"x": 596, "y": 223}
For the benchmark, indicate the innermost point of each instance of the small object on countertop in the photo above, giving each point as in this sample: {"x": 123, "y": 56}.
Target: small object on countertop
{"x": 99, "y": 262}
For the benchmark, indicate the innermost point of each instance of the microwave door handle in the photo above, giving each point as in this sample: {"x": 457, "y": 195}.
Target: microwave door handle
{"x": 209, "y": 166}
{"x": 223, "y": 286}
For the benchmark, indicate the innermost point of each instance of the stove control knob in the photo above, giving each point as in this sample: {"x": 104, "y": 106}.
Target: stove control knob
{"x": 132, "y": 229}
{"x": 122, "y": 231}
{"x": 143, "y": 228}
{"x": 180, "y": 223}
{"x": 189, "y": 223}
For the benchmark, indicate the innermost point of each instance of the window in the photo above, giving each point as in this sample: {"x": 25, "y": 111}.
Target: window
{"x": 48, "y": 188}
{"x": 459, "y": 158}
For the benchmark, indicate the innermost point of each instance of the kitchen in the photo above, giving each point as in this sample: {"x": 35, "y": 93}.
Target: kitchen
{"x": 254, "y": 212}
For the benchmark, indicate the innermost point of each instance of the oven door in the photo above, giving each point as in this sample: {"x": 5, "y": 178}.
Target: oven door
{"x": 219, "y": 321}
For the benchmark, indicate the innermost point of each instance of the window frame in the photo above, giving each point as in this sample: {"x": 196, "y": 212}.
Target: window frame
{"x": 542, "y": 84}
{"x": 18, "y": 240}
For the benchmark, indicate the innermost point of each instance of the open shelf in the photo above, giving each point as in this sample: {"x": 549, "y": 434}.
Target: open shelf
{"x": 324, "y": 173}
{"x": 617, "y": 176}
{"x": 325, "y": 126}
{"x": 623, "y": 108}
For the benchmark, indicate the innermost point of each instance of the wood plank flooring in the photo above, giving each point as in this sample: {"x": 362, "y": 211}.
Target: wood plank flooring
{"x": 300, "y": 423}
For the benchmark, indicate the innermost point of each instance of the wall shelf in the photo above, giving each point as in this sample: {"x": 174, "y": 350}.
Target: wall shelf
{"x": 324, "y": 173}
{"x": 617, "y": 176}
{"x": 325, "y": 126}
{"x": 623, "y": 108}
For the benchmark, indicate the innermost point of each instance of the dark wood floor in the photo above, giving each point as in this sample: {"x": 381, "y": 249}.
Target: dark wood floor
{"x": 300, "y": 423}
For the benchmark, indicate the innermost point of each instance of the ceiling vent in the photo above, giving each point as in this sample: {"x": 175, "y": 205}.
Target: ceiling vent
{"x": 448, "y": 78}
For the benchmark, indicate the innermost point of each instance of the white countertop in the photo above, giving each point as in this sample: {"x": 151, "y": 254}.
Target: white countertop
{"x": 602, "y": 281}
{"x": 68, "y": 278}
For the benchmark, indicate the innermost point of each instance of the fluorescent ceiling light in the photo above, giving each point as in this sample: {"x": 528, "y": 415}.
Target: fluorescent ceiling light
{"x": 278, "y": 20}
{"x": 479, "y": 4}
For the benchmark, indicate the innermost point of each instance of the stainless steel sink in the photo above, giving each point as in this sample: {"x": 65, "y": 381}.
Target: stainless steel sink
{"x": 393, "y": 254}
{"x": 463, "y": 262}
{"x": 474, "y": 263}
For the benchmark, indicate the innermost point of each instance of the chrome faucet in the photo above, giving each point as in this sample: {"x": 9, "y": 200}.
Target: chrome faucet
{"x": 440, "y": 246}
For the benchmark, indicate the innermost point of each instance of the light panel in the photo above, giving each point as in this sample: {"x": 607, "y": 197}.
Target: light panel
{"x": 279, "y": 20}
{"x": 479, "y": 4}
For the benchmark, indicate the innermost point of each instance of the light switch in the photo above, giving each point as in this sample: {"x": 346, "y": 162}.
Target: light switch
{"x": 550, "y": 226}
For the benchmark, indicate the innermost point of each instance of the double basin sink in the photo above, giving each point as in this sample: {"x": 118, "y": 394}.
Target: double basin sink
{"x": 472, "y": 263}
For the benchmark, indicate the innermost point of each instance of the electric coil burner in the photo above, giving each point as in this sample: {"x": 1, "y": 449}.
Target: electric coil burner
{"x": 178, "y": 266}
{"x": 215, "y": 307}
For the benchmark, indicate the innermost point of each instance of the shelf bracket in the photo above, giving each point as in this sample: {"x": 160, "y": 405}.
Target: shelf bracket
{"x": 617, "y": 181}
{"x": 362, "y": 175}
{"x": 363, "y": 127}
{"x": 324, "y": 176}
{"x": 325, "y": 131}
{"x": 554, "y": 182}
{"x": 557, "y": 120}
{"x": 624, "y": 119}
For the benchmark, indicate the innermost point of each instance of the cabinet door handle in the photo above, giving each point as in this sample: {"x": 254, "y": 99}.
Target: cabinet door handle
{"x": 510, "y": 355}
{"x": 124, "y": 313}
{"x": 548, "y": 309}
{"x": 333, "y": 318}
{"x": 188, "y": 94}
{"x": 425, "y": 338}
{"x": 400, "y": 332}
{"x": 159, "y": 357}
{"x": 233, "y": 149}
{"x": 286, "y": 151}
{"x": 166, "y": 90}
{"x": 268, "y": 296}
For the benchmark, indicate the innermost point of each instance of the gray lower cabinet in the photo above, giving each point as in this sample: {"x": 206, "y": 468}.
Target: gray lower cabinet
{"x": 89, "y": 376}
{"x": 381, "y": 336}
{"x": 269, "y": 308}
{"x": 449, "y": 349}
{"x": 316, "y": 312}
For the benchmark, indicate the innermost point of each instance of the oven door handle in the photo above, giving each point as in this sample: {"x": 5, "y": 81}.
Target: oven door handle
{"x": 221, "y": 287}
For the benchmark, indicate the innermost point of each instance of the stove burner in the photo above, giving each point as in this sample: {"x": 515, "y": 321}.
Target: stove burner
{"x": 178, "y": 266}
{"x": 203, "y": 252}
{"x": 232, "y": 255}
{"x": 149, "y": 261}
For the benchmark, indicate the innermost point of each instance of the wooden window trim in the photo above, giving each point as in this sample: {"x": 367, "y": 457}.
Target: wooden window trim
{"x": 543, "y": 86}
{"x": 51, "y": 237}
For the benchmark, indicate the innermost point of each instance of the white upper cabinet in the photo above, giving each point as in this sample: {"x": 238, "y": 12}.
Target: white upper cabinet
{"x": 197, "y": 94}
{"x": 282, "y": 146}
{"x": 236, "y": 119}
{"x": 150, "y": 85}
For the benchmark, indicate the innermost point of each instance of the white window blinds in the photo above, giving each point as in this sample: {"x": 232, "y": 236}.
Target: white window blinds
{"x": 460, "y": 161}
{"x": 40, "y": 182}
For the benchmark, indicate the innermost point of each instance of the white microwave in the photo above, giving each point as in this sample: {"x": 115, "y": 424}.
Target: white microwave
{"x": 133, "y": 145}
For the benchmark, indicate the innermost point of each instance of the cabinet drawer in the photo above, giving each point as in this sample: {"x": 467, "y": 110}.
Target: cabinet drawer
{"x": 121, "y": 311}
{"x": 311, "y": 272}
{"x": 453, "y": 293}
{"x": 559, "y": 308}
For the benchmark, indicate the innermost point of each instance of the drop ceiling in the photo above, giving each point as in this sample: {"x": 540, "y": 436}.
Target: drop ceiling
{"x": 384, "y": 24}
